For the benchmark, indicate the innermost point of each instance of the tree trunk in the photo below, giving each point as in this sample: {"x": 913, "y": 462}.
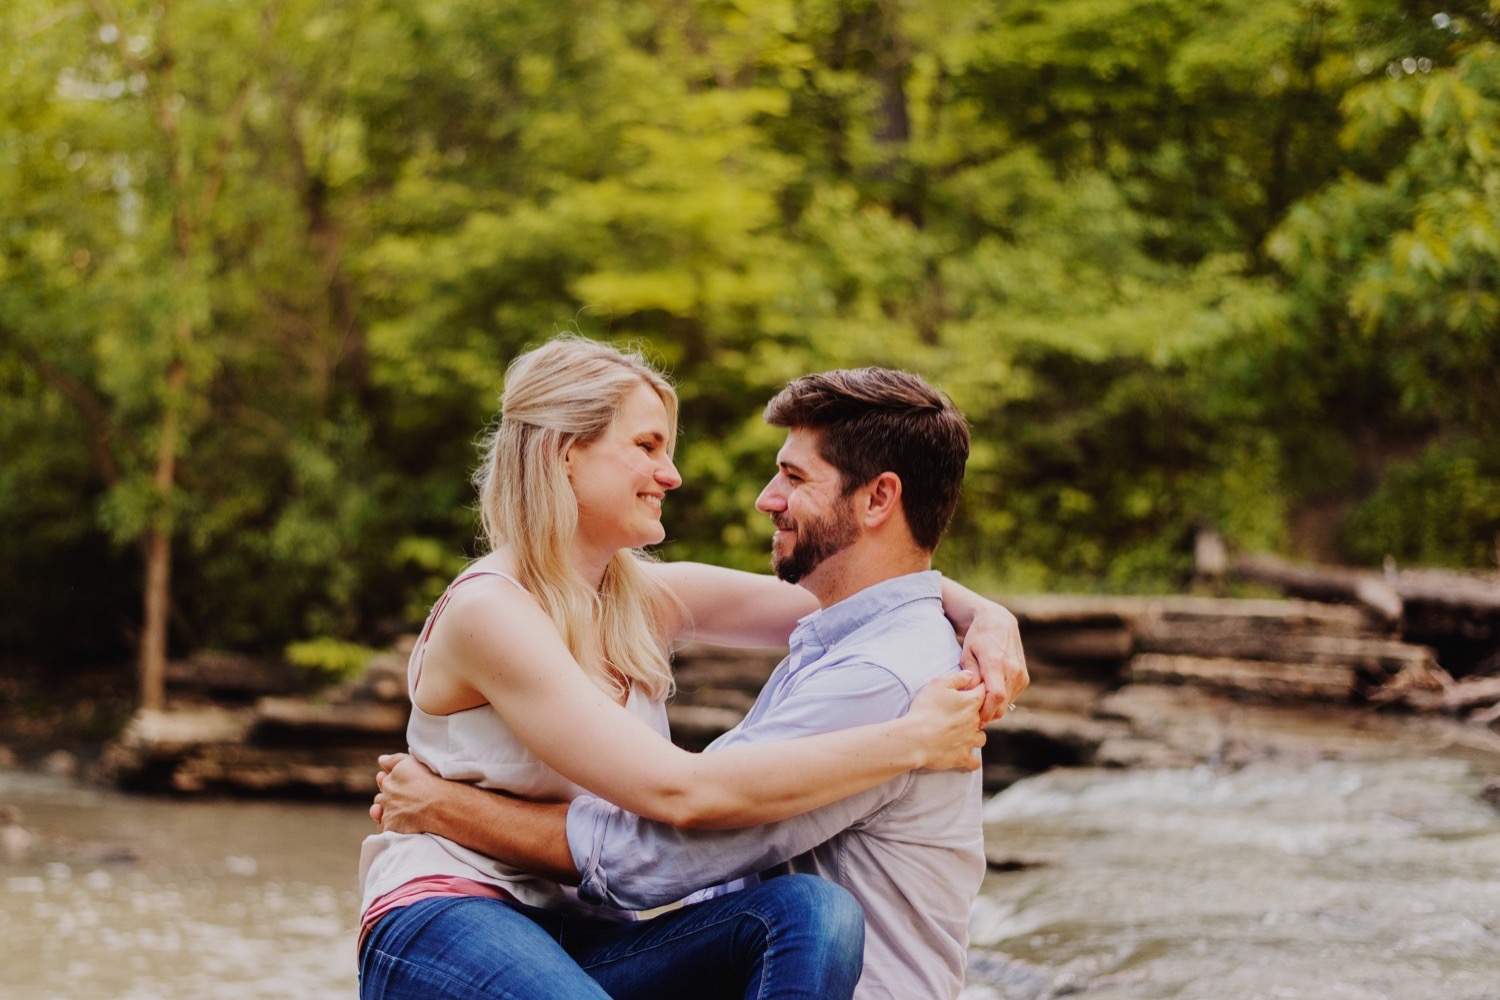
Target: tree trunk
{"x": 152, "y": 663}
{"x": 157, "y": 611}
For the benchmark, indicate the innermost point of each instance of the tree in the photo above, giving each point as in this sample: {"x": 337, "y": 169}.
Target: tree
{"x": 1392, "y": 323}
{"x": 158, "y": 253}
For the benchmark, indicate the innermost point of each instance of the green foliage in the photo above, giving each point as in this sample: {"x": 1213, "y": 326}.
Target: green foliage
{"x": 1180, "y": 264}
{"x": 1441, "y": 509}
{"x": 330, "y": 658}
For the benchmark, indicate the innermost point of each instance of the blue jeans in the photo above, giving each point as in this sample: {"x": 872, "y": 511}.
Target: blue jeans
{"x": 795, "y": 937}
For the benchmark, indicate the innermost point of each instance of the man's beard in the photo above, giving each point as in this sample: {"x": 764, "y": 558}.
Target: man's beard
{"x": 815, "y": 541}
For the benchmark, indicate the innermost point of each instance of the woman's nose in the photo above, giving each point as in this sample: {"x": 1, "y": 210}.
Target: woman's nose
{"x": 668, "y": 475}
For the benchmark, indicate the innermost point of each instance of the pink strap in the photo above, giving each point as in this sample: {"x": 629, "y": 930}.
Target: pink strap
{"x": 419, "y": 652}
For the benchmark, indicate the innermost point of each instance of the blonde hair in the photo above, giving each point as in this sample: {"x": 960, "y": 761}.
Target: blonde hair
{"x": 568, "y": 392}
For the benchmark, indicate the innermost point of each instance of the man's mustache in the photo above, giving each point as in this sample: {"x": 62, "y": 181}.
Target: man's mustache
{"x": 782, "y": 523}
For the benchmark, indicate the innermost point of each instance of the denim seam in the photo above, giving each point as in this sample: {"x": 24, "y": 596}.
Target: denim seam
{"x": 678, "y": 934}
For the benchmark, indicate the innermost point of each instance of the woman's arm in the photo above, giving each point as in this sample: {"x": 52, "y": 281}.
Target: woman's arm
{"x": 497, "y": 641}
{"x": 728, "y": 607}
{"x": 992, "y": 647}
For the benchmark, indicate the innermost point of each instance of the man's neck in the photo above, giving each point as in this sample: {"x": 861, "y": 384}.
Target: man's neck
{"x": 858, "y": 567}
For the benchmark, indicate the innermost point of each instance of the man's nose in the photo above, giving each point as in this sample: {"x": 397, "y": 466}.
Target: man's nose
{"x": 771, "y": 500}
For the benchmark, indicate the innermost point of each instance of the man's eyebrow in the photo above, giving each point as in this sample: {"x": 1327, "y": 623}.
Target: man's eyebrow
{"x": 786, "y": 466}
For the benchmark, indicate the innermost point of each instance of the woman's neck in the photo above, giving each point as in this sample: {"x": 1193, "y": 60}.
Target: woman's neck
{"x": 591, "y": 563}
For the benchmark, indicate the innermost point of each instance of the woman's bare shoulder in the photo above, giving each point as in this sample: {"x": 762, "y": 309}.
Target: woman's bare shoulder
{"x": 484, "y": 614}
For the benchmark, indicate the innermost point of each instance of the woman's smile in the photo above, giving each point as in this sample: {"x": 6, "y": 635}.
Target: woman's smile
{"x": 631, "y": 459}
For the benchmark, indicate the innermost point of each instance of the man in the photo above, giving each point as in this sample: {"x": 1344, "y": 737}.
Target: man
{"x": 867, "y": 482}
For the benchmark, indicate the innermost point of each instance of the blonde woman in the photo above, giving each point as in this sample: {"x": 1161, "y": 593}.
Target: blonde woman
{"x": 542, "y": 671}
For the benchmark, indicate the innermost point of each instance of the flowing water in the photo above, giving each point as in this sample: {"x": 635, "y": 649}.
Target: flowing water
{"x": 132, "y": 898}
{"x": 1354, "y": 880}
{"x": 1373, "y": 875}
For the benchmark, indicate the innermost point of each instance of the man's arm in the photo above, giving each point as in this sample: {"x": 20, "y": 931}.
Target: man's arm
{"x": 634, "y": 863}
{"x": 531, "y": 836}
{"x": 637, "y": 864}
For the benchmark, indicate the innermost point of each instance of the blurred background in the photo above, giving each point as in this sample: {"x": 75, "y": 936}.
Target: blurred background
{"x": 1193, "y": 270}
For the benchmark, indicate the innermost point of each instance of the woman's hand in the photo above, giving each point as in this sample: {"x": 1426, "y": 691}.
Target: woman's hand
{"x": 992, "y": 647}
{"x": 945, "y": 721}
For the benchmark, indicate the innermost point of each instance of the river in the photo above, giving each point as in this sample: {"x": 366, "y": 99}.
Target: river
{"x": 137, "y": 898}
{"x": 1369, "y": 872}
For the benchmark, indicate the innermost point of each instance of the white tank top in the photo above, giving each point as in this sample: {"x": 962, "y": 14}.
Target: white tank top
{"x": 476, "y": 746}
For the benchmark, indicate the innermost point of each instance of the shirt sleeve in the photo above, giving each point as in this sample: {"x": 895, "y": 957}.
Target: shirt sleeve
{"x": 634, "y": 863}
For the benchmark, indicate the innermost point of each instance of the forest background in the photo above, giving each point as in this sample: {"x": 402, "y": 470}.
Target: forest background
{"x": 1184, "y": 264}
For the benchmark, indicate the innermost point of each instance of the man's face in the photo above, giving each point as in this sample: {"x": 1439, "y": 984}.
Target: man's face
{"x": 813, "y": 519}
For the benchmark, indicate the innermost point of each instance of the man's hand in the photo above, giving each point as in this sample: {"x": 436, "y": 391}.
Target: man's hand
{"x": 408, "y": 791}
{"x": 992, "y": 649}
{"x": 531, "y": 836}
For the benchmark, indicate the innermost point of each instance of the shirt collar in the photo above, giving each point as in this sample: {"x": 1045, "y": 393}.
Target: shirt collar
{"x": 827, "y": 626}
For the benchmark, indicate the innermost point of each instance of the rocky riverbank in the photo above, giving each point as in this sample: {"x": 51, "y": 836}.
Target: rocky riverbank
{"x": 1117, "y": 682}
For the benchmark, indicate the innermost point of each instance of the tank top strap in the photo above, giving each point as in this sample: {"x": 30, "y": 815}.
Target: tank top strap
{"x": 419, "y": 651}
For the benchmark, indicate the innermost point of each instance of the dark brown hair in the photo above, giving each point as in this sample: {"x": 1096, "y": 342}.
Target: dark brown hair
{"x": 874, "y": 420}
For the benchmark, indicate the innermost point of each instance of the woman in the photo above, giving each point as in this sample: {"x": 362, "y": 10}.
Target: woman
{"x": 543, "y": 670}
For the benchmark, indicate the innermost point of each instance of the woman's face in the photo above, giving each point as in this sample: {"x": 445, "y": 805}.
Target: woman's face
{"x": 621, "y": 478}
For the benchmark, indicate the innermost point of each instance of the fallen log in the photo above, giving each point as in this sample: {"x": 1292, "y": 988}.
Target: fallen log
{"x": 1471, "y": 591}
{"x": 1323, "y": 583}
{"x": 1315, "y": 682}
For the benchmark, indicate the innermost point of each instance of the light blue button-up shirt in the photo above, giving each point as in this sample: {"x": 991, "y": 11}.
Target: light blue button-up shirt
{"x": 910, "y": 850}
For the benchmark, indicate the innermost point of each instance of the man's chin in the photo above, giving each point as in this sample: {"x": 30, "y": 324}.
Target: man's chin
{"x": 786, "y": 570}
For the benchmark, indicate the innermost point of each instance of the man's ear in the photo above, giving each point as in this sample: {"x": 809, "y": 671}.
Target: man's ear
{"x": 882, "y": 499}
